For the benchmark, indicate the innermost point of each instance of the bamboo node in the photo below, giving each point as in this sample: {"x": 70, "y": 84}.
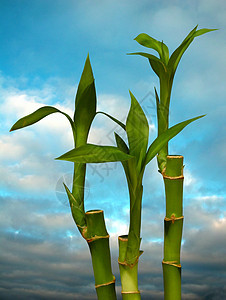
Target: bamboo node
{"x": 104, "y": 284}
{"x": 80, "y": 226}
{"x": 131, "y": 292}
{"x": 172, "y": 263}
{"x": 172, "y": 177}
{"x": 97, "y": 237}
{"x": 173, "y": 218}
{"x": 125, "y": 263}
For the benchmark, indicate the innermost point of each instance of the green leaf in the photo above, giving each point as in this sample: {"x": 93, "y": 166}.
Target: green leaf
{"x": 178, "y": 53}
{"x": 85, "y": 104}
{"x": 157, "y": 103}
{"x": 113, "y": 119}
{"x": 149, "y": 42}
{"x": 37, "y": 116}
{"x": 85, "y": 80}
{"x": 137, "y": 129}
{"x": 95, "y": 154}
{"x": 161, "y": 140}
{"x": 121, "y": 144}
{"x": 203, "y": 31}
{"x": 84, "y": 114}
{"x": 157, "y": 65}
{"x": 76, "y": 209}
{"x": 123, "y": 147}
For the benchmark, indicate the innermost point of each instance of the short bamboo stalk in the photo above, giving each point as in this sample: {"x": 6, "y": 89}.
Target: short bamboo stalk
{"x": 173, "y": 226}
{"x": 128, "y": 273}
{"x": 97, "y": 238}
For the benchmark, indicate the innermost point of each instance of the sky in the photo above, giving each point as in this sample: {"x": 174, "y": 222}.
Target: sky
{"x": 43, "y": 47}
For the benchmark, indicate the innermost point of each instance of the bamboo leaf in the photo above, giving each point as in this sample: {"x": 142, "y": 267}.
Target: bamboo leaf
{"x": 203, "y": 31}
{"x": 37, "y": 116}
{"x": 161, "y": 140}
{"x": 137, "y": 130}
{"x": 149, "y": 42}
{"x": 85, "y": 80}
{"x": 178, "y": 53}
{"x": 157, "y": 103}
{"x": 157, "y": 65}
{"x": 84, "y": 114}
{"x": 85, "y": 104}
{"x": 76, "y": 209}
{"x": 95, "y": 154}
{"x": 121, "y": 144}
{"x": 113, "y": 119}
{"x": 123, "y": 147}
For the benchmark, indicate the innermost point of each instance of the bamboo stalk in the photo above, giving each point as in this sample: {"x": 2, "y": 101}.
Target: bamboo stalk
{"x": 129, "y": 274}
{"x": 97, "y": 238}
{"x": 173, "y": 226}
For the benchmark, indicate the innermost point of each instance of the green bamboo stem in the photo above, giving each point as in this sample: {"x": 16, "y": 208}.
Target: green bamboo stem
{"x": 173, "y": 226}
{"x": 97, "y": 238}
{"x": 128, "y": 274}
{"x": 133, "y": 244}
{"x": 95, "y": 233}
{"x": 78, "y": 186}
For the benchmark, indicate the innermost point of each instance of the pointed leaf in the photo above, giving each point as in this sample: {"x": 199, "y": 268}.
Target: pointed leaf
{"x": 137, "y": 129}
{"x": 157, "y": 103}
{"x": 178, "y": 53}
{"x": 84, "y": 114}
{"x": 149, "y": 42}
{"x": 157, "y": 65}
{"x": 121, "y": 144}
{"x": 85, "y": 104}
{"x": 37, "y": 116}
{"x": 95, "y": 154}
{"x": 85, "y": 80}
{"x": 77, "y": 212}
{"x": 113, "y": 119}
{"x": 203, "y": 31}
{"x": 161, "y": 140}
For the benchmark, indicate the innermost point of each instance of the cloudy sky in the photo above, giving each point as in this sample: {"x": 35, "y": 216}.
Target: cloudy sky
{"x": 43, "y": 47}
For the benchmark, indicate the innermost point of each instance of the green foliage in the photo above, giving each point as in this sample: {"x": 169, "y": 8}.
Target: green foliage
{"x": 169, "y": 65}
{"x": 76, "y": 209}
{"x": 85, "y": 81}
{"x": 156, "y": 63}
{"x": 161, "y": 140}
{"x": 165, "y": 68}
{"x": 137, "y": 130}
{"x": 149, "y": 42}
{"x": 113, "y": 119}
{"x": 85, "y": 104}
{"x": 178, "y": 53}
{"x": 90, "y": 153}
{"x": 37, "y": 116}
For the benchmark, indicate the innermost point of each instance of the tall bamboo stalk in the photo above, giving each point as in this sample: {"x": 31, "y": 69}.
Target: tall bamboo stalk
{"x": 128, "y": 274}
{"x": 90, "y": 224}
{"x": 171, "y": 167}
{"x": 134, "y": 159}
{"x": 97, "y": 238}
{"x": 173, "y": 225}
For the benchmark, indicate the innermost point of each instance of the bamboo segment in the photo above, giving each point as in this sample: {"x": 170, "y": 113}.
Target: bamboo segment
{"x": 98, "y": 240}
{"x": 128, "y": 274}
{"x": 173, "y": 226}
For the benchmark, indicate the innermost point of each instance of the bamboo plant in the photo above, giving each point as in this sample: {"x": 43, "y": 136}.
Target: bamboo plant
{"x": 140, "y": 155}
{"x": 90, "y": 224}
{"x": 170, "y": 166}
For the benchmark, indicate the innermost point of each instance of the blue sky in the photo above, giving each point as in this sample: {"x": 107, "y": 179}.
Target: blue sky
{"x": 43, "y": 47}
